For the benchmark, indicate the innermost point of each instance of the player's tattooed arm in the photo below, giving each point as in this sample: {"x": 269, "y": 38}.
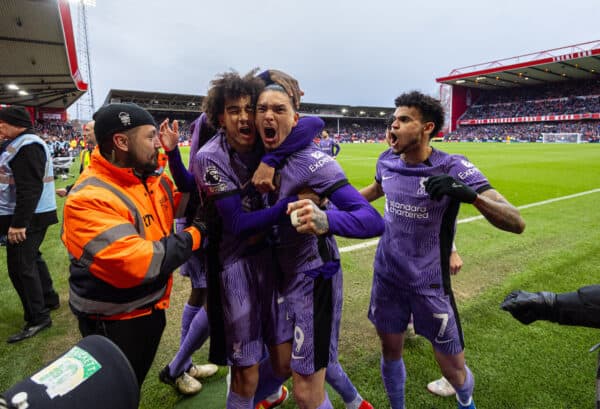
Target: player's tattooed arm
{"x": 319, "y": 222}
{"x": 310, "y": 219}
{"x": 499, "y": 211}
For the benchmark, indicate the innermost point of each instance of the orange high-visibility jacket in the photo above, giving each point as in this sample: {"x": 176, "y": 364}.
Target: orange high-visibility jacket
{"x": 118, "y": 231}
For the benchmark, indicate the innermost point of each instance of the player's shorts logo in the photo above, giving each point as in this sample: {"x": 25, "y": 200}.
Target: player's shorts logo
{"x": 298, "y": 341}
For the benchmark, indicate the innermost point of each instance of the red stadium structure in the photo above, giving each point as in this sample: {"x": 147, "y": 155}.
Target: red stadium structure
{"x": 39, "y": 60}
{"x": 464, "y": 87}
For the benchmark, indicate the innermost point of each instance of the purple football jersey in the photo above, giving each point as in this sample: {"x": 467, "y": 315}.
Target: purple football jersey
{"x": 326, "y": 146}
{"x": 220, "y": 171}
{"x": 417, "y": 228}
{"x": 310, "y": 168}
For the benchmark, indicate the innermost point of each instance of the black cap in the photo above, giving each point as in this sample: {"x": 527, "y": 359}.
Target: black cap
{"x": 16, "y": 116}
{"x": 114, "y": 118}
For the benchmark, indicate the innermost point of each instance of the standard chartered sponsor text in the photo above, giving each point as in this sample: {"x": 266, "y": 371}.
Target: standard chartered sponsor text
{"x": 406, "y": 210}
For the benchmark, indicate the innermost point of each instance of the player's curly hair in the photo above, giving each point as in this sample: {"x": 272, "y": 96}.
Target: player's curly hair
{"x": 431, "y": 109}
{"x": 230, "y": 85}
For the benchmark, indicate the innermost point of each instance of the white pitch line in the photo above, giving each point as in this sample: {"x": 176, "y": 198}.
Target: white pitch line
{"x": 374, "y": 242}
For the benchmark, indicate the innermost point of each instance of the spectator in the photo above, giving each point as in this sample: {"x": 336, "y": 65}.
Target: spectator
{"x": 118, "y": 230}
{"x": 27, "y": 208}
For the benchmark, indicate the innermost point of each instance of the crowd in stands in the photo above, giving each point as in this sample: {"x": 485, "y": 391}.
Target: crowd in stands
{"x": 50, "y": 128}
{"x": 525, "y": 132}
{"x": 65, "y": 139}
{"x": 556, "y": 106}
{"x": 62, "y": 137}
{"x": 573, "y": 97}
{"x": 550, "y": 91}
{"x": 350, "y": 132}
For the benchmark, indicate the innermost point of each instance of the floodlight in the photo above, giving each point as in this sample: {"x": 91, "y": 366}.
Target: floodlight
{"x": 460, "y": 81}
{"x": 22, "y": 92}
{"x": 12, "y": 86}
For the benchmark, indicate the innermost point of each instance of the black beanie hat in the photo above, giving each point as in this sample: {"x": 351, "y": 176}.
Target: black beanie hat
{"x": 16, "y": 116}
{"x": 114, "y": 118}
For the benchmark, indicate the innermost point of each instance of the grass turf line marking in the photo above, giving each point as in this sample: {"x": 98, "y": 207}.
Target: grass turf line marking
{"x": 374, "y": 242}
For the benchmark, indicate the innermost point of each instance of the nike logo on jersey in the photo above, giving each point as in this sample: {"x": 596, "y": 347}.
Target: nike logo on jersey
{"x": 386, "y": 177}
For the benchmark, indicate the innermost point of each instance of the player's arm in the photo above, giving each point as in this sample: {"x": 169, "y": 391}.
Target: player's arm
{"x": 353, "y": 217}
{"x": 456, "y": 262}
{"x": 183, "y": 179}
{"x": 241, "y": 223}
{"x": 490, "y": 203}
{"x": 372, "y": 192}
{"x": 499, "y": 211}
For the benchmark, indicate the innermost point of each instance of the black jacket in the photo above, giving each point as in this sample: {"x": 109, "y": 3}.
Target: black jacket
{"x": 581, "y": 307}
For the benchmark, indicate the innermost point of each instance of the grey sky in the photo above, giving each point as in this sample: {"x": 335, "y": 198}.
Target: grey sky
{"x": 342, "y": 51}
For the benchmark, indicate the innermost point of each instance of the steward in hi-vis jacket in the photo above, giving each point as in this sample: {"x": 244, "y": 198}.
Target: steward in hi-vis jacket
{"x": 118, "y": 230}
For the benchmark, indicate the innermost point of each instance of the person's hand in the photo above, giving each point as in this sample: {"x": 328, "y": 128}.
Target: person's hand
{"x": 528, "y": 307}
{"x": 440, "y": 185}
{"x": 62, "y": 192}
{"x": 200, "y": 222}
{"x": 456, "y": 263}
{"x": 16, "y": 235}
{"x": 263, "y": 178}
{"x": 169, "y": 137}
{"x": 288, "y": 83}
{"x": 307, "y": 217}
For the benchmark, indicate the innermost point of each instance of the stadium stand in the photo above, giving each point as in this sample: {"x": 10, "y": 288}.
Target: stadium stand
{"x": 524, "y": 97}
{"x": 346, "y": 123}
{"x": 39, "y": 62}
{"x": 39, "y": 68}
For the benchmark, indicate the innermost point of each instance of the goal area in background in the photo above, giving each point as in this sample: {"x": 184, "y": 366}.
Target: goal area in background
{"x": 561, "y": 137}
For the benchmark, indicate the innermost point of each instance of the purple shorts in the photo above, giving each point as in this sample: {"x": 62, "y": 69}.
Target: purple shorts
{"x": 434, "y": 316}
{"x": 193, "y": 268}
{"x": 247, "y": 292}
{"x": 313, "y": 308}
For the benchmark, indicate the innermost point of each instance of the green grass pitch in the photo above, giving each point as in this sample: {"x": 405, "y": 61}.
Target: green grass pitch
{"x": 541, "y": 366}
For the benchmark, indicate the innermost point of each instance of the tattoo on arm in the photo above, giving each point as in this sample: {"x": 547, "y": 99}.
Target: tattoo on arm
{"x": 320, "y": 220}
{"x": 499, "y": 212}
